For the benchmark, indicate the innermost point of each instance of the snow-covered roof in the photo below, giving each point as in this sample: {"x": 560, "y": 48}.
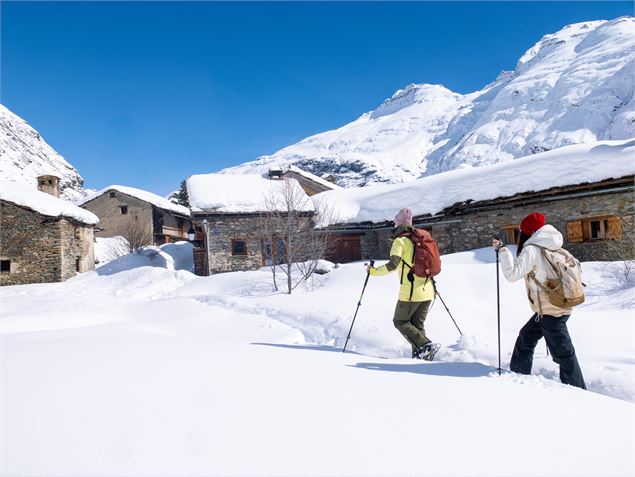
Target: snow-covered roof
{"x": 565, "y": 166}
{"x": 44, "y": 203}
{"x": 313, "y": 177}
{"x": 144, "y": 195}
{"x": 240, "y": 193}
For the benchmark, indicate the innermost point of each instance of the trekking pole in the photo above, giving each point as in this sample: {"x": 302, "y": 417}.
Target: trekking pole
{"x": 434, "y": 284}
{"x": 359, "y": 303}
{"x": 498, "y": 310}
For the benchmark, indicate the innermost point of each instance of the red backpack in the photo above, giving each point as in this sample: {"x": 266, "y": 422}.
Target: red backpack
{"x": 426, "y": 258}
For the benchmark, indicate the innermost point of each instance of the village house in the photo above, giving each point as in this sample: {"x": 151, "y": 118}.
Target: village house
{"x": 585, "y": 192}
{"x": 42, "y": 238}
{"x": 227, "y": 214}
{"x": 138, "y": 215}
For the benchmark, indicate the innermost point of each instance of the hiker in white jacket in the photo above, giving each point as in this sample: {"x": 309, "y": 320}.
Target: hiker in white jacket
{"x": 548, "y": 320}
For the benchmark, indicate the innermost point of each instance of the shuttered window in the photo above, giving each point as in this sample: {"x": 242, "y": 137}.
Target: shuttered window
{"x": 512, "y": 234}
{"x": 592, "y": 229}
{"x": 574, "y": 232}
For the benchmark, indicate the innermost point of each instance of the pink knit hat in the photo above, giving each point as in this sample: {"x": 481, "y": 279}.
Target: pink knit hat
{"x": 403, "y": 217}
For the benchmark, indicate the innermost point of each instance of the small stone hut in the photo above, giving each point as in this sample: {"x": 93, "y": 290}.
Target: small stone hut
{"x": 227, "y": 211}
{"x": 138, "y": 215}
{"x": 42, "y": 238}
{"x": 586, "y": 192}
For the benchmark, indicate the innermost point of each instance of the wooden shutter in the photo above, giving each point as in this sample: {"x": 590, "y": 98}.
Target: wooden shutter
{"x": 615, "y": 228}
{"x": 574, "y": 231}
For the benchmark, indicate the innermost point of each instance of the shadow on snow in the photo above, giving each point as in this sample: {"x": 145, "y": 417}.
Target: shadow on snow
{"x": 458, "y": 370}
{"x": 454, "y": 369}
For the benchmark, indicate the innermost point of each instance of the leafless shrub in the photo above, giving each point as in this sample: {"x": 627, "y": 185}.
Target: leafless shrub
{"x": 136, "y": 234}
{"x": 290, "y": 239}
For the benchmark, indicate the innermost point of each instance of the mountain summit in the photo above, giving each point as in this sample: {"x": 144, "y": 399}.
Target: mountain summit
{"x": 572, "y": 87}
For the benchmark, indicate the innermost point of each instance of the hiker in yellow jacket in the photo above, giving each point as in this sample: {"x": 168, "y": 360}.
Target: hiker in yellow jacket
{"x": 414, "y": 297}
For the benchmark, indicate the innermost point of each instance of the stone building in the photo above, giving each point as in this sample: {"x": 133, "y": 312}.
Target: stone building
{"x": 138, "y": 215}
{"x": 588, "y": 196}
{"x": 227, "y": 213}
{"x": 42, "y": 238}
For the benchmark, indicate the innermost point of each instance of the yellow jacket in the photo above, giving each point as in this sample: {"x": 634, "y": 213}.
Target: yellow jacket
{"x": 400, "y": 252}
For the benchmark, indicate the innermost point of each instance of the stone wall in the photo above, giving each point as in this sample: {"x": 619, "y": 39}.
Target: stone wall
{"x": 78, "y": 248}
{"x": 112, "y": 222}
{"x": 42, "y": 249}
{"x": 220, "y": 231}
{"x": 476, "y": 229}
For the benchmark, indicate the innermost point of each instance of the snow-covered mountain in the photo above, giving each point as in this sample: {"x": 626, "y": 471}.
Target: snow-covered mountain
{"x": 572, "y": 87}
{"x": 24, "y": 156}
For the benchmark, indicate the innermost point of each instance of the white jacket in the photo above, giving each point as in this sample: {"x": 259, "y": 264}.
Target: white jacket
{"x": 531, "y": 259}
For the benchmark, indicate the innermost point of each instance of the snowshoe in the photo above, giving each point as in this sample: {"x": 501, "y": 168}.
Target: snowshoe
{"x": 428, "y": 351}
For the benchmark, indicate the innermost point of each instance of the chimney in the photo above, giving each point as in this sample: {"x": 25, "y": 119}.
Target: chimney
{"x": 49, "y": 184}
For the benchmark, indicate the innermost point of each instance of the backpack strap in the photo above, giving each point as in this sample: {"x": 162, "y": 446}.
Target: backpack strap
{"x": 410, "y": 275}
{"x": 532, "y": 275}
{"x": 544, "y": 255}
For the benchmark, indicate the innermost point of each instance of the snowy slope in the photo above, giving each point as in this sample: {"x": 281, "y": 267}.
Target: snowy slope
{"x": 24, "y": 156}
{"x": 153, "y": 371}
{"x": 572, "y": 87}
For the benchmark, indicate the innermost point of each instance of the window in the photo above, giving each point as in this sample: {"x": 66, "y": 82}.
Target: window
{"x": 512, "y": 234}
{"x": 5, "y": 266}
{"x": 239, "y": 247}
{"x": 112, "y": 195}
{"x": 271, "y": 256}
{"x": 595, "y": 228}
{"x": 78, "y": 264}
{"x": 124, "y": 209}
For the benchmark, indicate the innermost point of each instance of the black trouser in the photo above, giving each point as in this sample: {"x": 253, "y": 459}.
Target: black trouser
{"x": 554, "y": 330}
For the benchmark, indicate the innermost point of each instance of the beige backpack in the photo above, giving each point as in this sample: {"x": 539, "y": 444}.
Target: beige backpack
{"x": 566, "y": 290}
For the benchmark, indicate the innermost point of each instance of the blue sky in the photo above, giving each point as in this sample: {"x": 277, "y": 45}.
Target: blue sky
{"x": 147, "y": 93}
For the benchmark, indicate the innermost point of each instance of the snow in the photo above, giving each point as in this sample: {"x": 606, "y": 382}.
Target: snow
{"x": 149, "y": 370}
{"x": 45, "y": 204}
{"x": 24, "y": 156}
{"x": 154, "y": 199}
{"x": 108, "y": 249}
{"x": 171, "y": 256}
{"x": 249, "y": 193}
{"x": 574, "y": 86}
{"x": 313, "y": 177}
{"x": 430, "y": 195}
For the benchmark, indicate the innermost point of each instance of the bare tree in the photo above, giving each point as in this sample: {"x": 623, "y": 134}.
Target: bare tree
{"x": 288, "y": 230}
{"x": 136, "y": 234}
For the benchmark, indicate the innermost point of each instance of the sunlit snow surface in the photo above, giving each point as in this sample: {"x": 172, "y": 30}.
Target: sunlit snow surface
{"x": 142, "y": 368}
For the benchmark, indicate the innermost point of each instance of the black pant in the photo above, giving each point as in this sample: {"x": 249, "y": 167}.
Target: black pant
{"x": 554, "y": 330}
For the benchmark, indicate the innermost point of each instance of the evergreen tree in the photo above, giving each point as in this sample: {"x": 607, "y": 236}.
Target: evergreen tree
{"x": 180, "y": 196}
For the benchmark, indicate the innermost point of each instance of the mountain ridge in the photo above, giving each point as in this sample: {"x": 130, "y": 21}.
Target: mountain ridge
{"x": 571, "y": 87}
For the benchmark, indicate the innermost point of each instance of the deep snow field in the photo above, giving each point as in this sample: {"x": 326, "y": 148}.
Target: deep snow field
{"x": 142, "y": 368}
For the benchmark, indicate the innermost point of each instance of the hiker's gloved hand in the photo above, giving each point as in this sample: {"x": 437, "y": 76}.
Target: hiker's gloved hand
{"x": 497, "y": 244}
{"x": 368, "y": 267}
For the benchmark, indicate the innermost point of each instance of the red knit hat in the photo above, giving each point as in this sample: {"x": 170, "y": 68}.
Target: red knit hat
{"x": 532, "y": 222}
